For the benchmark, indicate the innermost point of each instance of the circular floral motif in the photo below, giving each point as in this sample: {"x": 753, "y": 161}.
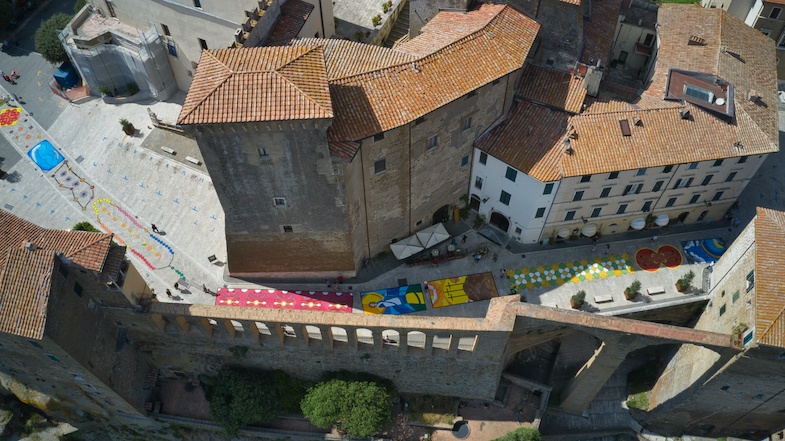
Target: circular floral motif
{"x": 651, "y": 261}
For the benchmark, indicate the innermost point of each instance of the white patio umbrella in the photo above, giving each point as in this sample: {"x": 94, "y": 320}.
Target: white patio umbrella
{"x": 564, "y": 233}
{"x": 638, "y": 223}
{"x": 432, "y": 235}
{"x": 406, "y": 247}
{"x": 662, "y": 220}
{"x": 589, "y": 230}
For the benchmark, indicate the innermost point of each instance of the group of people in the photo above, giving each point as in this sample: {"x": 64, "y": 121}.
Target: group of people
{"x": 10, "y": 78}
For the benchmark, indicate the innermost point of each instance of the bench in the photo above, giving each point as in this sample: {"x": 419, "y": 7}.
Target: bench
{"x": 603, "y": 299}
{"x": 168, "y": 150}
{"x": 192, "y": 160}
{"x": 654, "y": 290}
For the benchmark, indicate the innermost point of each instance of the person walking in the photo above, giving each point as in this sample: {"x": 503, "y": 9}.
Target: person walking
{"x": 463, "y": 239}
{"x": 154, "y": 228}
{"x": 169, "y": 293}
{"x": 608, "y": 249}
{"x": 495, "y": 257}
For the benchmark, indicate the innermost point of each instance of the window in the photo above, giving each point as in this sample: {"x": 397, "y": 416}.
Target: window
{"x": 613, "y": 175}
{"x": 263, "y": 153}
{"x": 569, "y": 216}
{"x": 467, "y": 123}
{"x": 717, "y": 163}
{"x": 548, "y": 188}
{"x": 722, "y": 309}
{"x": 478, "y": 182}
{"x": 633, "y": 189}
{"x": 465, "y": 161}
{"x": 35, "y": 344}
{"x": 78, "y": 289}
{"x": 518, "y": 230}
{"x": 670, "y": 202}
{"x": 483, "y": 158}
{"x": 667, "y": 169}
{"x": 743, "y": 159}
{"x": 622, "y": 209}
{"x": 707, "y": 179}
{"x": 511, "y": 174}
{"x": 641, "y": 172}
{"x": 433, "y": 141}
{"x": 694, "y": 198}
{"x": 380, "y": 166}
{"x": 605, "y": 192}
{"x": 596, "y": 212}
{"x": 657, "y": 186}
{"x": 585, "y": 178}
{"x": 775, "y": 13}
{"x": 730, "y": 177}
{"x": 540, "y": 212}
{"x": 288, "y": 229}
{"x": 419, "y": 121}
{"x": 53, "y": 358}
{"x": 197, "y": 3}
{"x": 578, "y": 196}
{"x": 750, "y": 280}
{"x": 279, "y": 202}
{"x": 735, "y": 297}
{"x": 505, "y": 198}
{"x": 717, "y": 196}
{"x": 693, "y": 166}
{"x": 698, "y": 93}
{"x": 61, "y": 269}
{"x": 683, "y": 183}
{"x": 202, "y": 44}
{"x": 165, "y": 30}
{"x": 378, "y": 137}
{"x": 646, "y": 207}
{"x": 648, "y": 40}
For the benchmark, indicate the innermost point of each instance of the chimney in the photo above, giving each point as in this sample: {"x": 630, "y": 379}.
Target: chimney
{"x": 752, "y": 95}
{"x": 592, "y": 81}
{"x": 685, "y": 114}
{"x": 30, "y": 247}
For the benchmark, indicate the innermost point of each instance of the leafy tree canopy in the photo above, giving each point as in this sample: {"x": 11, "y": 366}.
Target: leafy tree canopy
{"x": 79, "y": 5}
{"x": 521, "y": 434}
{"x": 6, "y": 14}
{"x": 47, "y": 43}
{"x": 357, "y": 408}
{"x": 85, "y": 226}
{"x": 239, "y": 397}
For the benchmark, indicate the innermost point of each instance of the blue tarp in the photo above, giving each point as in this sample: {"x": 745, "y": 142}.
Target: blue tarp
{"x": 66, "y": 76}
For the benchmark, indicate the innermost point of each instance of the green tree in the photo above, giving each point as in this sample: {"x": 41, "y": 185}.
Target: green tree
{"x": 85, "y": 226}
{"x": 6, "y": 14}
{"x": 239, "y": 397}
{"x": 521, "y": 434}
{"x": 79, "y": 5}
{"x": 47, "y": 43}
{"x": 356, "y": 408}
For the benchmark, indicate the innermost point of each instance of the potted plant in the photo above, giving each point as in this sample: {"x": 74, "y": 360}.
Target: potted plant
{"x": 104, "y": 91}
{"x": 128, "y": 128}
{"x": 685, "y": 282}
{"x": 633, "y": 290}
{"x": 578, "y": 299}
{"x": 376, "y": 20}
{"x": 650, "y": 220}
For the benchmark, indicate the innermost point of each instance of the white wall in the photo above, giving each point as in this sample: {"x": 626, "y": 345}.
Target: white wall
{"x": 526, "y": 197}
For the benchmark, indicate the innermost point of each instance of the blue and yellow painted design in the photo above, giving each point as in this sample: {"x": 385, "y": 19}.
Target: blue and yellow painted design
{"x": 462, "y": 289}
{"x": 557, "y": 274}
{"x": 400, "y": 300}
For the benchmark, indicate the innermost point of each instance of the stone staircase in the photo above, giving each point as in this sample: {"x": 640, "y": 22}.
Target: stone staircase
{"x": 400, "y": 30}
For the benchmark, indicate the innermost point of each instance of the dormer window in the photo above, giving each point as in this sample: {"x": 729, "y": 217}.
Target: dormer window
{"x": 698, "y": 93}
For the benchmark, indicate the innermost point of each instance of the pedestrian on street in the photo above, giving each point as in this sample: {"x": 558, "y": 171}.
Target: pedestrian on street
{"x": 204, "y": 288}
{"x": 502, "y": 273}
{"x": 169, "y": 293}
{"x": 495, "y": 257}
{"x": 463, "y": 239}
{"x": 607, "y": 249}
{"x": 177, "y": 286}
{"x": 654, "y": 238}
{"x": 155, "y": 229}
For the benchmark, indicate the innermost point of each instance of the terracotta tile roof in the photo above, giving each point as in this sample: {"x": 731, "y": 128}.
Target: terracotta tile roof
{"x": 530, "y": 140}
{"x": 572, "y": 2}
{"x": 381, "y": 100}
{"x": 598, "y": 30}
{"x": 344, "y": 58}
{"x": 770, "y": 277}
{"x": 552, "y": 87}
{"x": 258, "y": 84}
{"x": 25, "y": 275}
{"x": 294, "y": 14}
{"x": 343, "y": 149}
{"x": 732, "y": 51}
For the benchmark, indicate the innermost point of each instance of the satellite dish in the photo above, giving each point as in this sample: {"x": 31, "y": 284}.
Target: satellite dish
{"x": 720, "y": 101}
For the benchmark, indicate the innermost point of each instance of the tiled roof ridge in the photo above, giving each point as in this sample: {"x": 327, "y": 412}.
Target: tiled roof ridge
{"x": 304, "y": 93}
{"x": 218, "y": 85}
{"x": 426, "y": 58}
{"x": 102, "y": 238}
{"x": 391, "y": 66}
{"x": 769, "y": 215}
{"x": 628, "y": 111}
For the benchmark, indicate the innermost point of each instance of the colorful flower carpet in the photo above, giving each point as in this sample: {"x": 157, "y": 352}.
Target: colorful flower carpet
{"x": 558, "y": 274}
{"x": 279, "y": 299}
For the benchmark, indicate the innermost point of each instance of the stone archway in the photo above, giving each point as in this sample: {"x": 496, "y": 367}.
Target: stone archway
{"x": 441, "y": 215}
{"x": 500, "y": 221}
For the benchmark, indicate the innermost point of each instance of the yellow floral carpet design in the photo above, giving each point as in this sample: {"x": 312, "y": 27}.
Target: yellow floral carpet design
{"x": 558, "y": 274}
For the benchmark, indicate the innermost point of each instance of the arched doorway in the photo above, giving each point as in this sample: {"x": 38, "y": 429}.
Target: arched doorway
{"x": 683, "y": 216}
{"x": 500, "y": 221}
{"x": 474, "y": 202}
{"x": 441, "y": 215}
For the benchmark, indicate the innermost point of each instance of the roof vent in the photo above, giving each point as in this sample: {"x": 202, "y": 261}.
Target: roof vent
{"x": 625, "y": 127}
{"x": 752, "y": 95}
{"x": 414, "y": 66}
{"x": 685, "y": 114}
{"x": 738, "y": 145}
{"x": 30, "y": 247}
{"x": 696, "y": 41}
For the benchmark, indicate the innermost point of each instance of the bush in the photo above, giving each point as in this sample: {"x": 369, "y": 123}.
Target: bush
{"x": 578, "y": 299}
{"x": 79, "y": 5}
{"x": 685, "y": 282}
{"x": 85, "y": 226}
{"x": 132, "y": 88}
{"x": 633, "y": 290}
{"x": 47, "y": 42}
{"x": 376, "y": 20}
{"x": 356, "y": 408}
{"x": 239, "y": 397}
{"x": 521, "y": 434}
{"x": 385, "y": 7}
